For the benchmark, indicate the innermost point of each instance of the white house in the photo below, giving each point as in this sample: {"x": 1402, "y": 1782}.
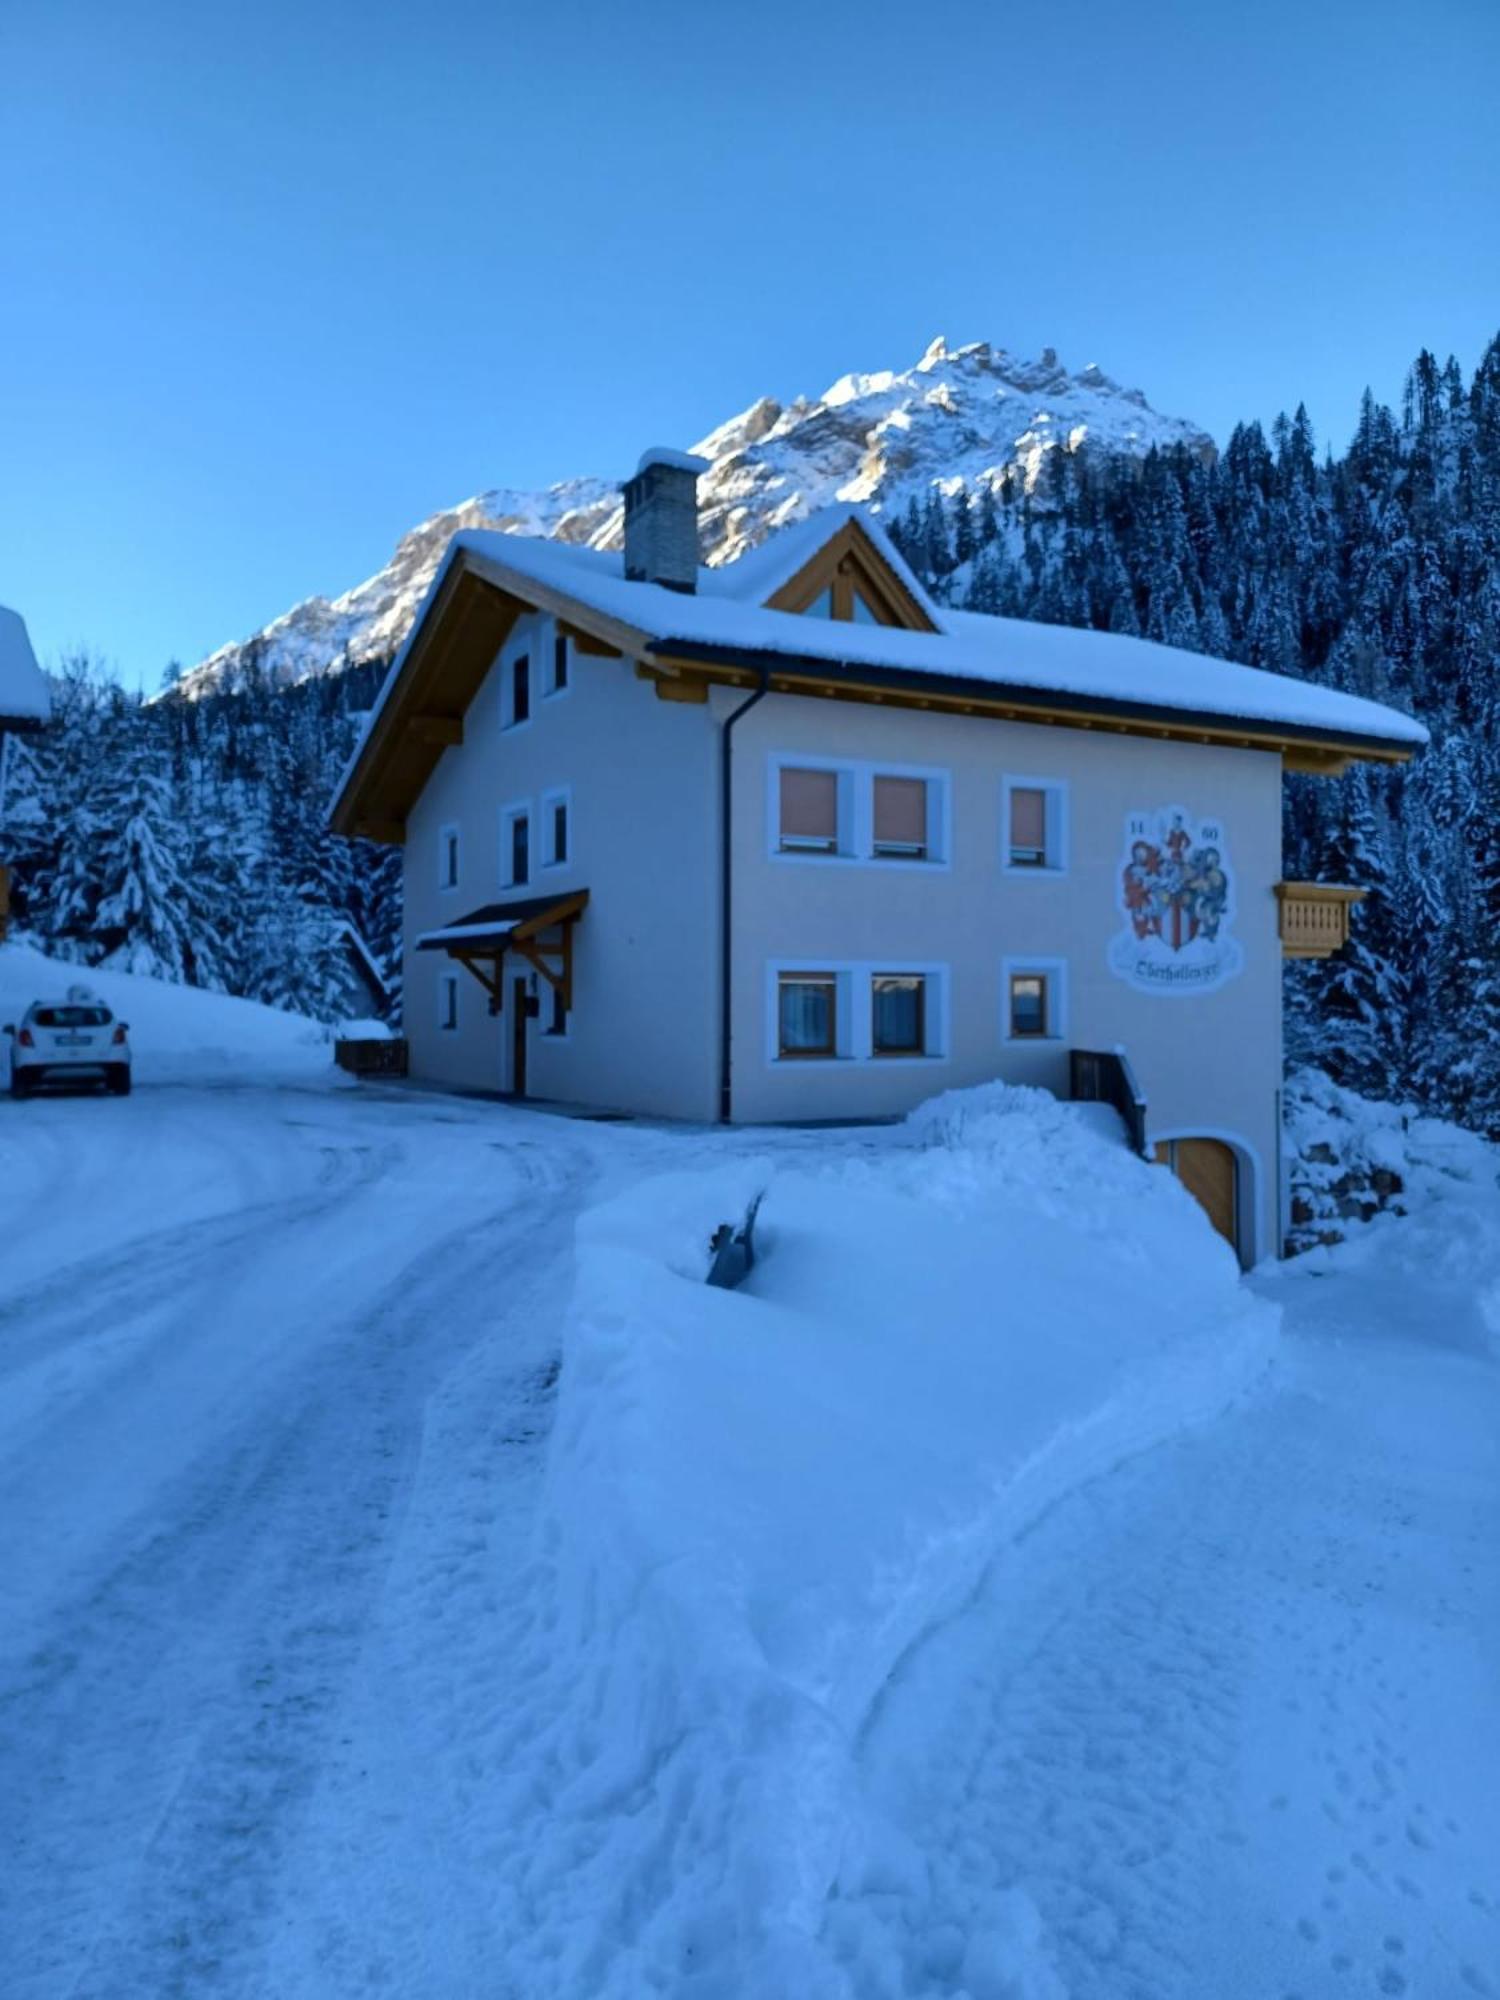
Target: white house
{"x": 788, "y": 840}
{"x": 25, "y": 703}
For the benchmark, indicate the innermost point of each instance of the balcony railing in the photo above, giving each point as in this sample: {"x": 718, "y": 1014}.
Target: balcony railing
{"x": 1315, "y": 917}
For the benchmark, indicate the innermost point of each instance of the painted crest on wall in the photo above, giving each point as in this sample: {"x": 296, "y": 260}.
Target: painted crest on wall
{"x": 1176, "y": 894}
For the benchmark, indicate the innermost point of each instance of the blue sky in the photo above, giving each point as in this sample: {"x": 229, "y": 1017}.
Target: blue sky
{"x": 276, "y": 282}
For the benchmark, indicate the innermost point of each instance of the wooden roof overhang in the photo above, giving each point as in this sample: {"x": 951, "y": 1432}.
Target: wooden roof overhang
{"x": 465, "y": 623}
{"x": 1318, "y": 751}
{"x": 847, "y": 558}
{"x": 538, "y": 929}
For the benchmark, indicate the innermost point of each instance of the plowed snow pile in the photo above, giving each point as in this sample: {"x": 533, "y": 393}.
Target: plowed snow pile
{"x": 759, "y": 1501}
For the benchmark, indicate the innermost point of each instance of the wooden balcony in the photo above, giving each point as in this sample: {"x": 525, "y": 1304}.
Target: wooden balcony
{"x": 1315, "y": 917}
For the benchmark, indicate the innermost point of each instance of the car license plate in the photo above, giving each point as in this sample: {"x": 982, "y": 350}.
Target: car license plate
{"x": 75, "y": 1041}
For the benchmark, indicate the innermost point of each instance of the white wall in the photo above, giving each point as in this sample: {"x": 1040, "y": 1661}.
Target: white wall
{"x": 640, "y": 773}
{"x": 1207, "y": 1064}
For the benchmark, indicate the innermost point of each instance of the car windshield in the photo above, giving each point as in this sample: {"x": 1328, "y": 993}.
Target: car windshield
{"x": 71, "y": 1017}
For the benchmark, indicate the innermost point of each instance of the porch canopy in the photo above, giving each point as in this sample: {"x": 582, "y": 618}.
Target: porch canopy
{"x": 538, "y": 929}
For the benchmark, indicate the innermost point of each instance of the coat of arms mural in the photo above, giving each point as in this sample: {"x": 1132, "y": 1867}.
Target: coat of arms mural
{"x": 1176, "y": 893}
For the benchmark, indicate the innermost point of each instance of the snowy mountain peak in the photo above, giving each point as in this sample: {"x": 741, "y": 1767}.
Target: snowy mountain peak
{"x": 961, "y": 417}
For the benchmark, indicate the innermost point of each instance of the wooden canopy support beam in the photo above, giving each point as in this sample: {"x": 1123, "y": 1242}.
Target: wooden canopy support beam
{"x": 474, "y": 962}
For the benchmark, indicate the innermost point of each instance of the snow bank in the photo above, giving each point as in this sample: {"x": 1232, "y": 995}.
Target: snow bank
{"x": 761, "y": 1500}
{"x": 1382, "y": 1189}
{"x": 178, "y": 1034}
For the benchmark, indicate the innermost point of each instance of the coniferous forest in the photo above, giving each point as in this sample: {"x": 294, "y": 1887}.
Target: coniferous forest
{"x": 187, "y": 837}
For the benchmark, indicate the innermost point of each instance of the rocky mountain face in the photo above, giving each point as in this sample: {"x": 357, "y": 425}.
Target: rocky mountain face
{"x": 960, "y": 418}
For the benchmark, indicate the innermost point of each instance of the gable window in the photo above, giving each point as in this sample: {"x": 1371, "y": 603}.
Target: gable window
{"x": 1034, "y": 999}
{"x": 560, "y": 663}
{"x": 555, "y": 829}
{"x": 861, "y": 610}
{"x": 448, "y": 1002}
{"x": 515, "y": 846}
{"x": 809, "y": 811}
{"x": 900, "y": 818}
{"x": 520, "y": 691}
{"x": 1034, "y": 827}
{"x": 822, "y": 605}
{"x": 898, "y": 1014}
{"x": 448, "y": 858}
{"x": 807, "y": 1014}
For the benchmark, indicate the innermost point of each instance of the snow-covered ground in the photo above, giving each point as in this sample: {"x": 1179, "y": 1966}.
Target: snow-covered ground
{"x": 416, "y": 1580}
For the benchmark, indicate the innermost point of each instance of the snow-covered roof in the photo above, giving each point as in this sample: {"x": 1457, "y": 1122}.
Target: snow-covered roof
{"x": 24, "y": 696}
{"x": 1047, "y": 672}
{"x": 728, "y": 615}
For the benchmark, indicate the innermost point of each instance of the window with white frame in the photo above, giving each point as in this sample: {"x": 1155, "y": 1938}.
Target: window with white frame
{"x": 1034, "y": 999}
{"x": 556, "y": 1015}
{"x": 898, "y": 1014}
{"x": 557, "y": 828}
{"x": 820, "y": 810}
{"x": 448, "y": 1002}
{"x": 518, "y": 692}
{"x": 515, "y": 845}
{"x": 448, "y": 857}
{"x": 1034, "y": 826}
{"x": 864, "y": 1012}
{"x": 559, "y": 671}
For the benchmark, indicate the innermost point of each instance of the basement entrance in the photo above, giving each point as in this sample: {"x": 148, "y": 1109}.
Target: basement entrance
{"x": 1209, "y": 1171}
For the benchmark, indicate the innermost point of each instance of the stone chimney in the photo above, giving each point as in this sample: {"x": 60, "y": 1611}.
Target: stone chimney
{"x": 661, "y": 519}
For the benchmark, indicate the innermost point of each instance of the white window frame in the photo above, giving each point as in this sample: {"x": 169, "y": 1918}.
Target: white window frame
{"x": 545, "y": 1034}
{"x": 523, "y": 650}
{"x": 856, "y": 811}
{"x": 1055, "y": 972}
{"x": 449, "y": 832}
{"x": 447, "y": 984}
{"x": 1058, "y": 815}
{"x": 559, "y": 795}
{"x": 555, "y": 637}
{"x": 513, "y": 810}
{"x": 854, "y": 1016}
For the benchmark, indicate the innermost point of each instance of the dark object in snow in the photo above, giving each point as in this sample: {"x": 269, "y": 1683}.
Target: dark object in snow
{"x": 378, "y": 1056}
{"x": 734, "y": 1249}
{"x": 1104, "y": 1076}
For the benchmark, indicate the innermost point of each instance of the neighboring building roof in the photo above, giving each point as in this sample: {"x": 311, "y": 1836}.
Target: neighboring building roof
{"x": 933, "y": 658}
{"x": 24, "y": 695}
{"x": 364, "y": 958}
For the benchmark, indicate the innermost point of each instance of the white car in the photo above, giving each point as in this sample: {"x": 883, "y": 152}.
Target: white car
{"x": 77, "y": 1040}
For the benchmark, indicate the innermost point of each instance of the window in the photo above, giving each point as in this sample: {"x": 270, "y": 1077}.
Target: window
{"x": 859, "y": 609}
{"x": 809, "y": 811}
{"x": 448, "y": 1002}
{"x": 1034, "y": 1000}
{"x": 1034, "y": 826}
{"x": 819, "y": 810}
{"x": 555, "y": 830}
{"x": 807, "y": 1014}
{"x": 520, "y": 691}
{"x": 557, "y": 1014}
{"x": 898, "y": 1014}
{"x": 900, "y": 810}
{"x": 448, "y": 858}
{"x": 822, "y": 605}
{"x": 560, "y": 664}
{"x": 515, "y": 845}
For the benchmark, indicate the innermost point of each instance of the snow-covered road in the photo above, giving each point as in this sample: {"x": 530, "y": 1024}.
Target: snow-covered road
{"x": 1228, "y": 1717}
{"x": 227, "y": 1317}
{"x": 282, "y": 1675}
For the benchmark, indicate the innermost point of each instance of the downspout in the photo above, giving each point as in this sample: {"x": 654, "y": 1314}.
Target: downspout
{"x": 726, "y": 892}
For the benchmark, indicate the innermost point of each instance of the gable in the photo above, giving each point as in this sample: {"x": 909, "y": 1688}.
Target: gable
{"x": 849, "y": 578}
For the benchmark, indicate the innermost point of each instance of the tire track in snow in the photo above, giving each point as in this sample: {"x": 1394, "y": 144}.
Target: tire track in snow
{"x": 161, "y": 1740}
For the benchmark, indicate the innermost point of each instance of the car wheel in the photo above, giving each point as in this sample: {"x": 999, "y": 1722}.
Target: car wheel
{"x": 20, "y": 1083}
{"x": 119, "y": 1080}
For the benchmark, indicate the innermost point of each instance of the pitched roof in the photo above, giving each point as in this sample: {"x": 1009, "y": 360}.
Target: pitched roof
{"x": 24, "y": 695}
{"x": 1058, "y": 673}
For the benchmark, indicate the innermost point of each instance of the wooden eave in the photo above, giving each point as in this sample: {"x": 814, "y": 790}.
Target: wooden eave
{"x": 1319, "y": 752}
{"x": 847, "y": 558}
{"x": 441, "y": 670}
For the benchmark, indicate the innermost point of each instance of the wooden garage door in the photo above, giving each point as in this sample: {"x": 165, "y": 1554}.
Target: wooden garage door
{"x": 1206, "y": 1169}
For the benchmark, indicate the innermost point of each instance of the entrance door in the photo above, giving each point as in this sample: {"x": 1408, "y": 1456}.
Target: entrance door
{"x": 1207, "y": 1169}
{"x": 518, "y": 1019}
